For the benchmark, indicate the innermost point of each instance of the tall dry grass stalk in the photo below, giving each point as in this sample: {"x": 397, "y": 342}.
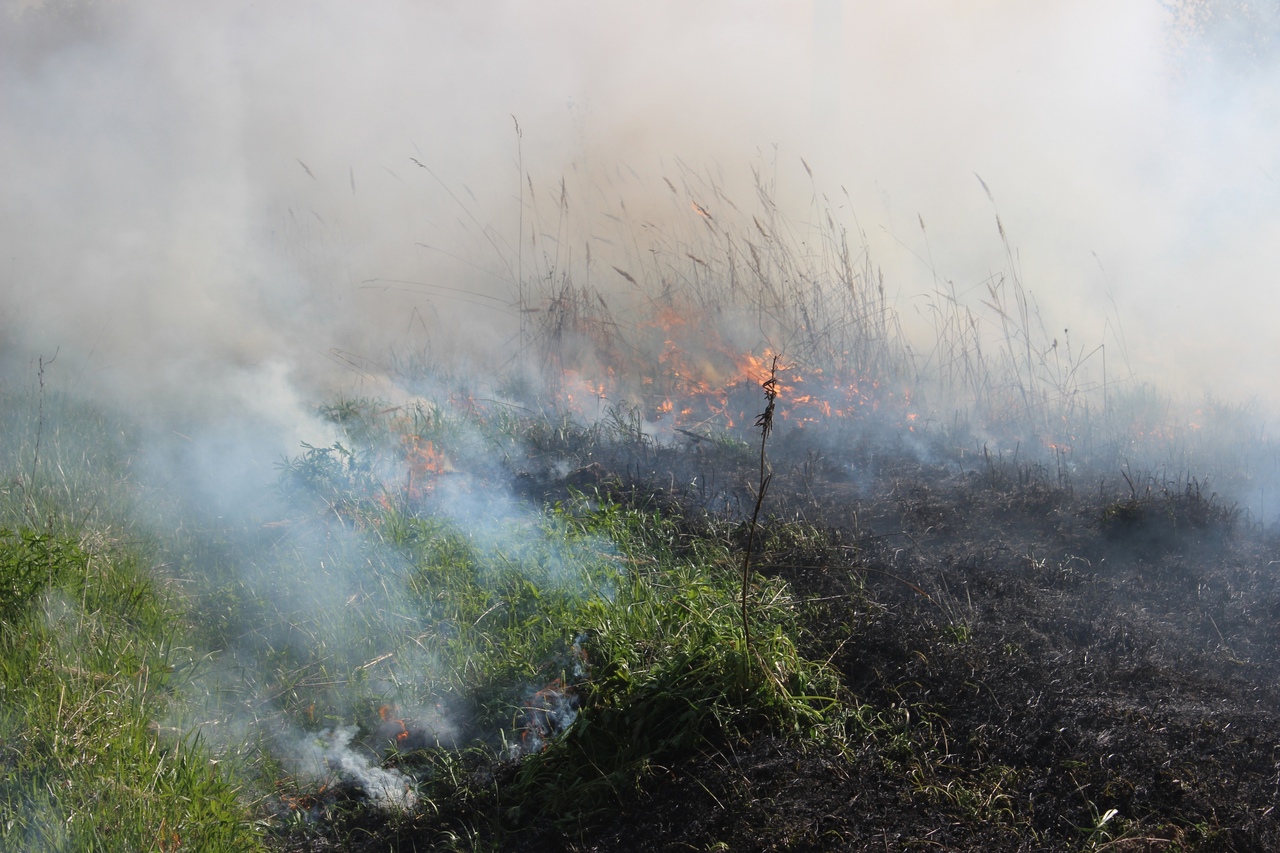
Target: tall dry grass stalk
{"x": 730, "y": 278}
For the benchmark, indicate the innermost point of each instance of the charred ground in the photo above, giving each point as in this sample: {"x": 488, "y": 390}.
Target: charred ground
{"x": 1033, "y": 657}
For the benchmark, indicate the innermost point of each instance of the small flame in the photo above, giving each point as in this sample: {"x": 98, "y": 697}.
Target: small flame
{"x": 388, "y": 713}
{"x": 553, "y": 709}
{"x": 424, "y": 464}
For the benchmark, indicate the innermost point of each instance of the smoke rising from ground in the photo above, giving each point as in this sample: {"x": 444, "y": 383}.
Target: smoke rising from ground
{"x": 238, "y": 207}
{"x": 330, "y": 754}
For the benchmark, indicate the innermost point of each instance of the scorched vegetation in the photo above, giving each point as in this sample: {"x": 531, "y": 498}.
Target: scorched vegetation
{"x": 750, "y": 569}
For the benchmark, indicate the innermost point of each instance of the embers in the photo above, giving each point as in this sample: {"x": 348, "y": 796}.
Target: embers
{"x": 550, "y": 712}
{"x": 308, "y": 807}
{"x": 401, "y": 733}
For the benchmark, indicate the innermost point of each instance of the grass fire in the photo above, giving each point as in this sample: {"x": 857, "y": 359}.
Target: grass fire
{"x": 430, "y": 428}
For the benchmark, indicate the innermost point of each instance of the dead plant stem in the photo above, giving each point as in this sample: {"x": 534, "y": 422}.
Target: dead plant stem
{"x": 765, "y": 424}
{"x": 30, "y": 485}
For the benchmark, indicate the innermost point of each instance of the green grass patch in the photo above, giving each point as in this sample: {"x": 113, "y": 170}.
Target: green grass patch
{"x": 94, "y": 650}
{"x": 670, "y": 672}
{"x": 86, "y": 670}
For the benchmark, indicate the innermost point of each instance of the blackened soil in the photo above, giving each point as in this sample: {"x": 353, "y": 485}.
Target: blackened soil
{"x": 1038, "y": 659}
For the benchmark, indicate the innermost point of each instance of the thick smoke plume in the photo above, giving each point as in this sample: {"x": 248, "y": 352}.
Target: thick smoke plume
{"x": 237, "y": 206}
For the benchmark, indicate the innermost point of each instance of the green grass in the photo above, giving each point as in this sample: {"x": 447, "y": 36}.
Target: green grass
{"x": 477, "y": 608}
{"x": 65, "y": 465}
{"x": 669, "y": 670}
{"x": 87, "y": 672}
{"x": 93, "y": 652}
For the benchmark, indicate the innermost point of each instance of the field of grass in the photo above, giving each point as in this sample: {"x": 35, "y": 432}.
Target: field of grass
{"x": 392, "y": 648}
{"x": 495, "y": 620}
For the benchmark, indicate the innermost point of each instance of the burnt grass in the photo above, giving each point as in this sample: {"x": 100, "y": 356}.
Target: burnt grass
{"x": 1035, "y": 658}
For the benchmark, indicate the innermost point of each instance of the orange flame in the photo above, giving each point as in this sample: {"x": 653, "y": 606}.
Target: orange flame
{"x": 684, "y": 372}
{"x": 387, "y": 713}
{"x": 424, "y": 464}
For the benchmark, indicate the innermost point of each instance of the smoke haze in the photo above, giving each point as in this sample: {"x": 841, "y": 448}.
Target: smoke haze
{"x": 237, "y": 207}
{"x": 219, "y": 214}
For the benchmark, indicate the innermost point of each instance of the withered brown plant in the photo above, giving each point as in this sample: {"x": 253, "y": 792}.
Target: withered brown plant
{"x": 765, "y": 424}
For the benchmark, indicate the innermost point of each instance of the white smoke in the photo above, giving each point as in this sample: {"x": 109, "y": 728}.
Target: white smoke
{"x": 329, "y": 755}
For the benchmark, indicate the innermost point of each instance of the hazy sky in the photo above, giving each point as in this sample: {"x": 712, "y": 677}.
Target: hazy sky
{"x": 193, "y": 194}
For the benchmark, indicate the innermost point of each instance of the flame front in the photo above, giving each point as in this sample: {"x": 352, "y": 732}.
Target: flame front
{"x": 682, "y": 371}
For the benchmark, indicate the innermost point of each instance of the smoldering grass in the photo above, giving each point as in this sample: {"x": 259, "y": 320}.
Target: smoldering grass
{"x": 665, "y": 645}
{"x": 384, "y": 585}
{"x": 735, "y": 278}
{"x": 471, "y": 604}
{"x": 377, "y": 602}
